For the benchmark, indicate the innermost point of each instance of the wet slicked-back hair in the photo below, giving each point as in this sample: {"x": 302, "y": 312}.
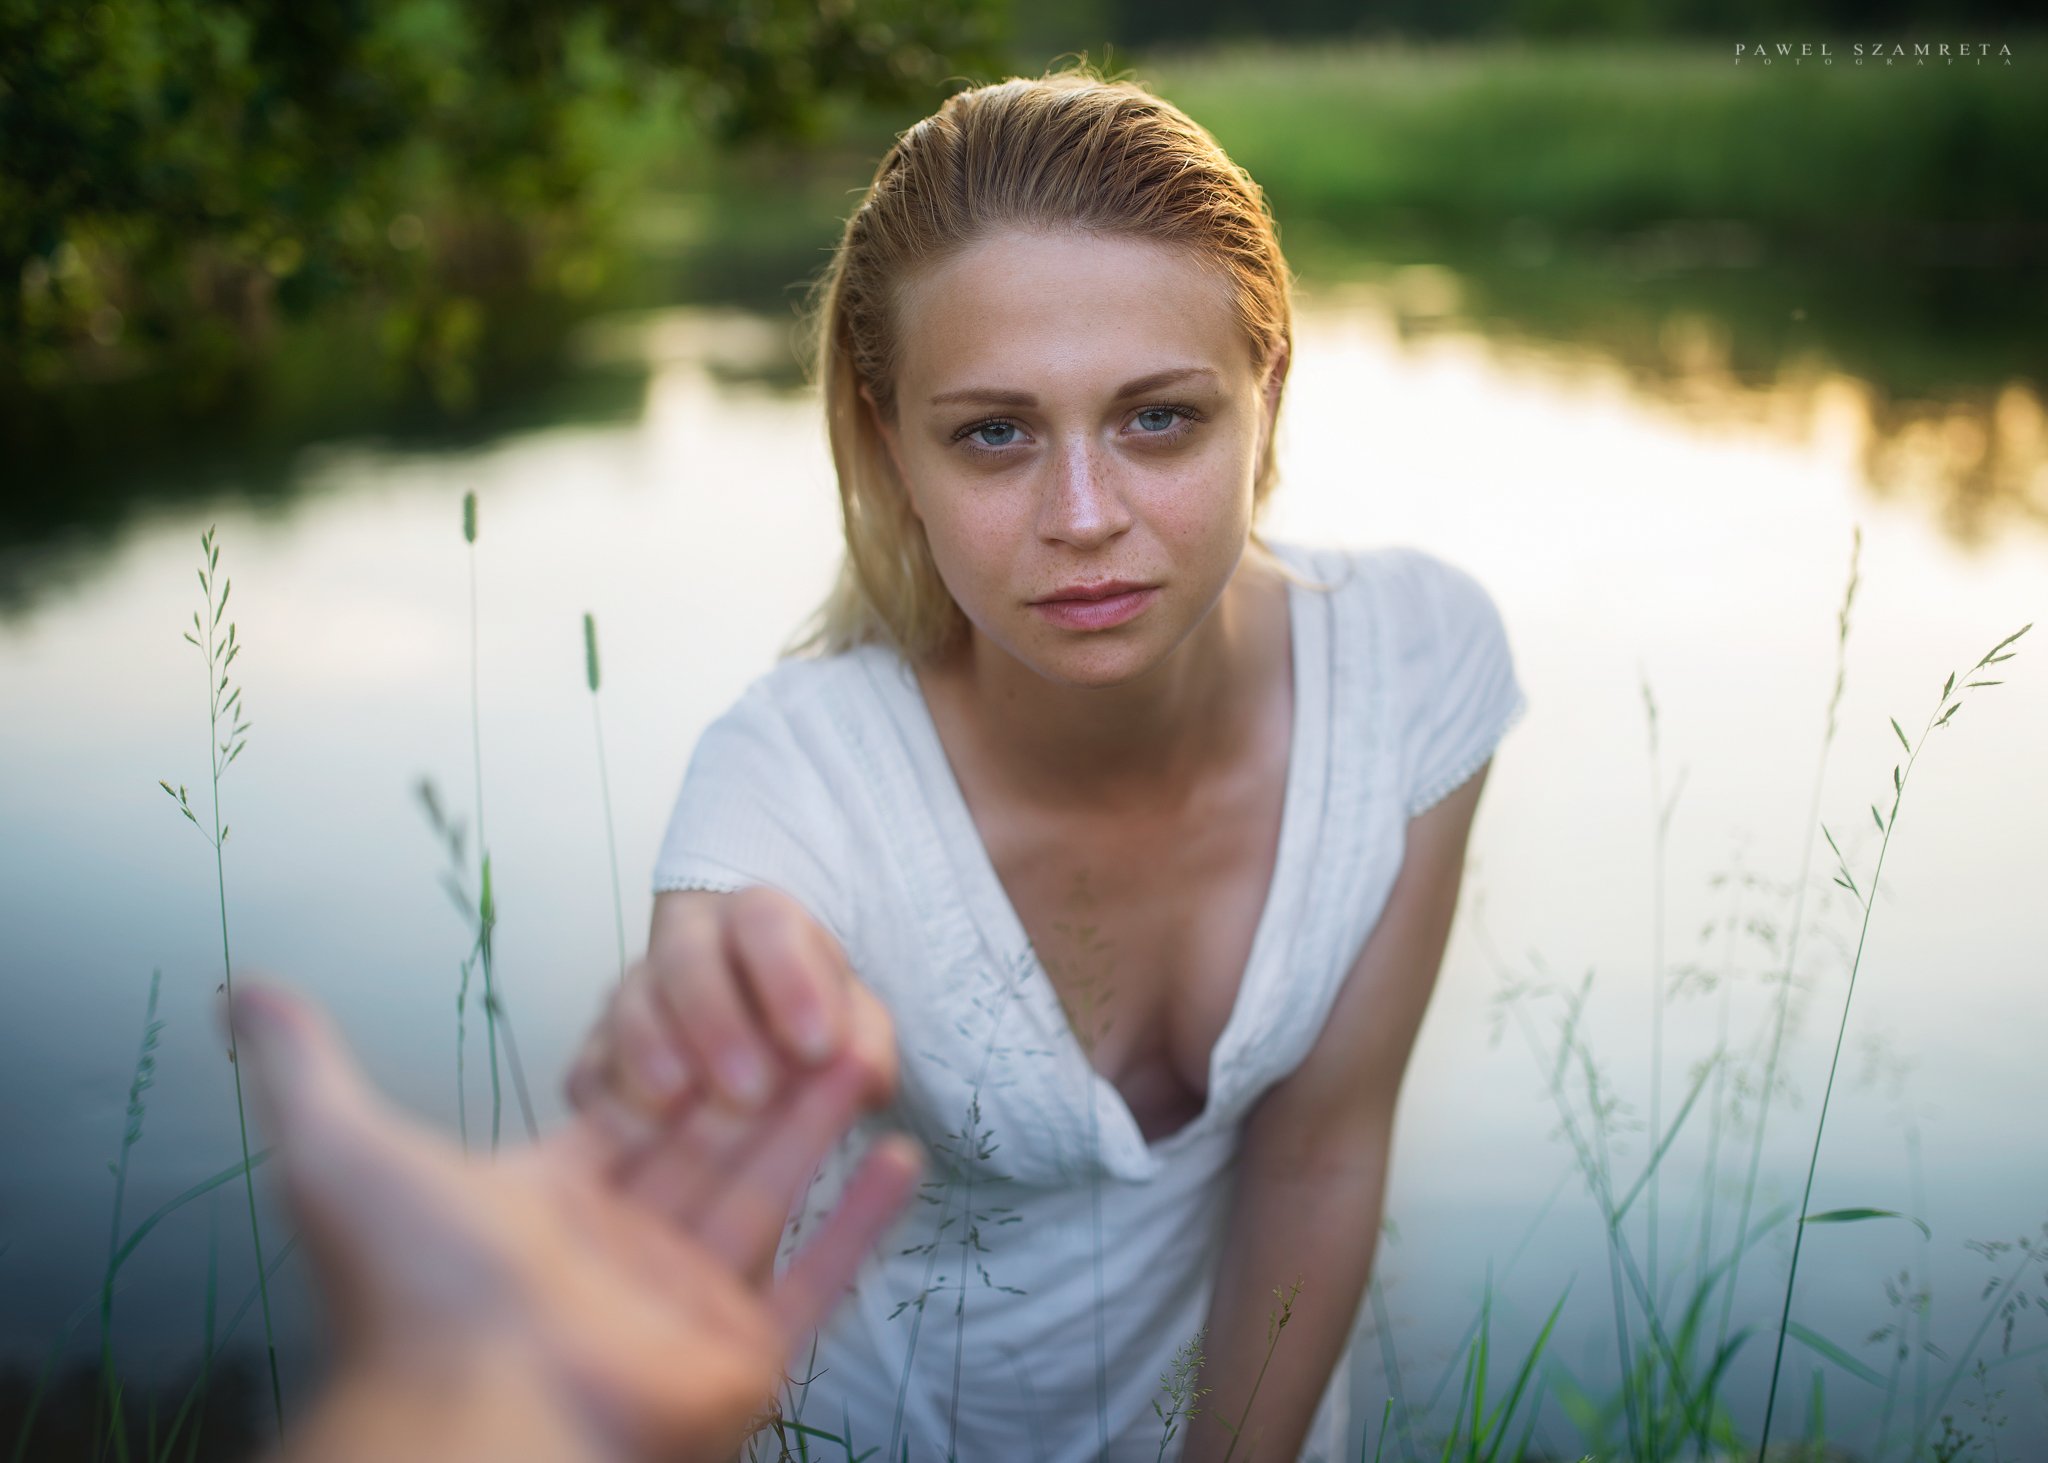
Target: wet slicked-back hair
{"x": 1069, "y": 150}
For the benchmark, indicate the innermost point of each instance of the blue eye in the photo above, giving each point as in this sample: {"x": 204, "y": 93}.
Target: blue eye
{"x": 1167, "y": 423}
{"x": 1179, "y": 421}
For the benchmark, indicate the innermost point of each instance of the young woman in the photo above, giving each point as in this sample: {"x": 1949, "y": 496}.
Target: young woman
{"x": 1134, "y": 838}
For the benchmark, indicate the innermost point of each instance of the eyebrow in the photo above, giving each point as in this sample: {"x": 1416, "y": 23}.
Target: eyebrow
{"x": 1143, "y": 384}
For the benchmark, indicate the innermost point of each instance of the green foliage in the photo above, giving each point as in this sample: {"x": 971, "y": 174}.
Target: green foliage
{"x": 1673, "y": 1364}
{"x": 1485, "y": 1438}
{"x": 183, "y": 172}
{"x": 1183, "y": 1397}
{"x": 1841, "y": 159}
{"x": 1137, "y": 23}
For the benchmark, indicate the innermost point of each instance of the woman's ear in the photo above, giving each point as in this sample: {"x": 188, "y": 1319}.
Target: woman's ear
{"x": 1276, "y": 377}
{"x": 1269, "y": 395}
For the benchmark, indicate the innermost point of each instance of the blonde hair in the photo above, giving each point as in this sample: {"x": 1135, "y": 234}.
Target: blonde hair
{"x": 1071, "y": 149}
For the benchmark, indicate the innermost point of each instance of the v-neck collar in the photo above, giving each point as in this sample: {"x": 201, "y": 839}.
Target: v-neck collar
{"x": 981, "y": 888}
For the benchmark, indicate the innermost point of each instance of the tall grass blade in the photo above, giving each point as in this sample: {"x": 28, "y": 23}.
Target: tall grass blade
{"x": 1479, "y": 1426}
{"x": 1819, "y": 1344}
{"x": 1817, "y": 1414}
{"x": 1662, "y": 813}
{"x": 1850, "y": 1216}
{"x": 206, "y": 1342}
{"x": 1835, "y": 1061}
{"x": 1514, "y": 1397}
{"x": 1664, "y": 1144}
{"x": 1275, "y": 1324}
{"x": 196, "y": 1394}
{"x": 131, "y": 1134}
{"x": 485, "y": 911}
{"x": 170, "y": 1206}
{"x": 1464, "y": 1400}
{"x": 604, "y": 783}
{"x": 1390, "y": 1363}
{"x": 1791, "y": 964}
{"x": 217, "y": 649}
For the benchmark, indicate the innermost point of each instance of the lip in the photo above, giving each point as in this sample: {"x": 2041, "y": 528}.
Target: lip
{"x": 1098, "y": 613}
{"x": 1103, "y": 589}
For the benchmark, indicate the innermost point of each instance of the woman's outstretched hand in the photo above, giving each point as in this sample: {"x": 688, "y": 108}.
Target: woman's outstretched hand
{"x": 742, "y": 998}
{"x": 574, "y": 1299}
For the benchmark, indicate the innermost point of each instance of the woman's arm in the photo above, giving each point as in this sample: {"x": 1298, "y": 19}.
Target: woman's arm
{"x": 1312, "y": 1166}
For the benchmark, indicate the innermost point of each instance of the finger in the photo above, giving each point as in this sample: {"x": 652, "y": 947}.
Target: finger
{"x": 586, "y": 1077}
{"x": 871, "y": 1044}
{"x": 677, "y": 1172}
{"x": 629, "y": 1129}
{"x": 700, "y": 994}
{"x": 647, "y": 1068}
{"x": 819, "y": 1275}
{"x": 404, "y": 1231}
{"x": 340, "y": 1155}
{"x": 306, "y": 1086}
{"x": 600, "y": 1143}
{"x": 791, "y": 969}
{"x": 743, "y": 1217}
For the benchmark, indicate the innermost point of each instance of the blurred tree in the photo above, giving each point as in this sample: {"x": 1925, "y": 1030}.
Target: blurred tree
{"x": 175, "y": 174}
{"x": 1140, "y": 24}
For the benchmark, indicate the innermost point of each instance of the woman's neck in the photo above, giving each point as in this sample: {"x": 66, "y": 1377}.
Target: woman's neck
{"x": 1135, "y": 746}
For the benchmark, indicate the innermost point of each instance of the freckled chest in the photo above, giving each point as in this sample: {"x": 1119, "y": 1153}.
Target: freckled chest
{"x": 1144, "y": 922}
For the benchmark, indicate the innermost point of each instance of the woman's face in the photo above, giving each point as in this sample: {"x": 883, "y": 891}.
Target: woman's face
{"x": 1074, "y": 409}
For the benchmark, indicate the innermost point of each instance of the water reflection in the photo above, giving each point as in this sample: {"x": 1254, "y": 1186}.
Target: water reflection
{"x": 1696, "y": 545}
{"x": 88, "y": 460}
{"x": 1928, "y": 368}
{"x": 1935, "y": 375}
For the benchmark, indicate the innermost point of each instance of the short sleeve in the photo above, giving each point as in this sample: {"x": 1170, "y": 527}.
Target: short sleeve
{"x": 1460, "y": 693}
{"x": 755, "y": 808}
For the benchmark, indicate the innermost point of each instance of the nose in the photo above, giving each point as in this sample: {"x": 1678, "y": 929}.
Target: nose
{"x": 1082, "y": 504}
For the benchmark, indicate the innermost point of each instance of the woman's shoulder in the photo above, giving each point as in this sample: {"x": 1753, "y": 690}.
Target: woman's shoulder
{"x": 811, "y": 693}
{"x": 795, "y": 739}
{"x": 775, "y": 793}
{"x": 1449, "y": 659}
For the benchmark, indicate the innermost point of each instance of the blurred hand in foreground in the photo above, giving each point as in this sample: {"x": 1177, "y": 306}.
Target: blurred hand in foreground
{"x": 582, "y": 1298}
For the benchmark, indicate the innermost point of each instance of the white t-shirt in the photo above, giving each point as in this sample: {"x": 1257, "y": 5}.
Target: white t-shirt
{"x": 827, "y": 779}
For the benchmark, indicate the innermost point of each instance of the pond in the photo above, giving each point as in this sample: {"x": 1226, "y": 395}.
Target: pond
{"x": 1685, "y": 548}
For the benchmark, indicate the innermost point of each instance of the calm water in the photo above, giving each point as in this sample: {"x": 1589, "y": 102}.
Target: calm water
{"x": 1698, "y": 541}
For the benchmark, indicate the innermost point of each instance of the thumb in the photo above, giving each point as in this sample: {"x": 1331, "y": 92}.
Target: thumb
{"x": 341, "y": 1160}
{"x": 310, "y": 1097}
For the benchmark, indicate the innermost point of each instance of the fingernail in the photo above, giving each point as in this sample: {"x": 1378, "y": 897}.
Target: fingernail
{"x": 662, "y": 1071}
{"x": 251, "y": 1013}
{"x": 813, "y": 1042}
{"x": 744, "y": 1075}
